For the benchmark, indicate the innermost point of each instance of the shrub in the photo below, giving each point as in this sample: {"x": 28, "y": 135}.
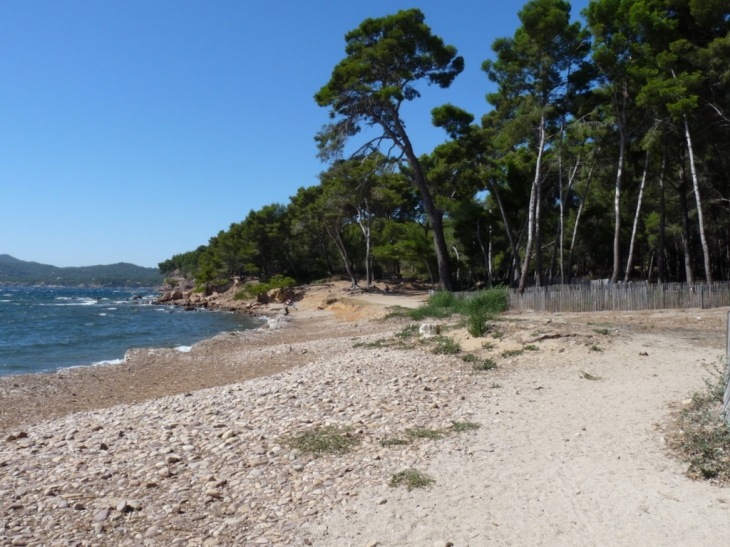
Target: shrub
{"x": 703, "y": 438}
{"x": 410, "y": 478}
{"x": 487, "y": 364}
{"x": 461, "y": 427}
{"x": 512, "y": 352}
{"x": 446, "y": 346}
{"x": 323, "y": 440}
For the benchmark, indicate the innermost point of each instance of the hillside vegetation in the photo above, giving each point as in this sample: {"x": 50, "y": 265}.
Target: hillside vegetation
{"x": 20, "y": 272}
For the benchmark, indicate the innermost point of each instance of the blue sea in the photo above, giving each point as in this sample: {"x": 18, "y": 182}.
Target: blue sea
{"x": 44, "y": 329}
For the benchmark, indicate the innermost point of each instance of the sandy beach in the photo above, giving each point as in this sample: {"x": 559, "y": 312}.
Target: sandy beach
{"x": 191, "y": 449}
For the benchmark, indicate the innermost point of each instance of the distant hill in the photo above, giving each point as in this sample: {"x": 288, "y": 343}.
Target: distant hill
{"x": 20, "y": 272}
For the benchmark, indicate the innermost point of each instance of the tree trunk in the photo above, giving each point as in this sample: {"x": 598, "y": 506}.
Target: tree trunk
{"x": 630, "y": 261}
{"x": 538, "y": 237}
{"x": 578, "y": 214}
{"x": 364, "y": 220}
{"x": 335, "y": 235}
{"x": 487, "y": 257}
{"x": 700, "y": 219}
{"x": 617, "y": 205}
{"x": 510, "y": 236}
{"x": 661, "y": 255}
{"x": 400, "y": 138}
{"x": 689, "y": 274}
{"x": 532, "y": 208}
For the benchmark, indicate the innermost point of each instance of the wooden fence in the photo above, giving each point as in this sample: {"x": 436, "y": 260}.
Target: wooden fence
{"x": 726, "y": 396}
{"x": 620, "y": 297}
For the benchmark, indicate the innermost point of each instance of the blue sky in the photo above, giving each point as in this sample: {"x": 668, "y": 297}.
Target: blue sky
{"x": 131, "y": 131}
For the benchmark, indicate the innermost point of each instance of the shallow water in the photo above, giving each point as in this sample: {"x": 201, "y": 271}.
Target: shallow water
{"x": 48, "y": 328}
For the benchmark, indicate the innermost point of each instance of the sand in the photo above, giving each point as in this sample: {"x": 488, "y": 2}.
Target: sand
{"x": 558, "y": 460}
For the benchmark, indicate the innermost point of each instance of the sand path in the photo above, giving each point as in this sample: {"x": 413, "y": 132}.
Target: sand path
{"x": 561, "y": 460}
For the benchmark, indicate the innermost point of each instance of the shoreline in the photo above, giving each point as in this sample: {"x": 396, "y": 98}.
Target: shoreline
{"x": 212, "y": 466}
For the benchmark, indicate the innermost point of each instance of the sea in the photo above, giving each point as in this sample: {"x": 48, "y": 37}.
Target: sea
{"x": 44, "y": 329}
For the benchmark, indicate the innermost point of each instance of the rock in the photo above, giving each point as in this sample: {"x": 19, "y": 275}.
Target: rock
{"x": 213, "y": 493}
{"x": 98, "y": 528}
{"x": 79, "y": 506}
{"x": 372, "y": 544}
{"x": 381, "y": 501}
{"x": 164, "y": 472}
{"x": 443, "y": 544}
{"x": 134, "y": 504}
{"x": 16, "y": 506}
{"x": 172, "y": 458}
{"x": 152, "y": 531}
{"x": 429, "y": 330}
{"x": 18, "y": 541}
{"x": 101, "y": 516}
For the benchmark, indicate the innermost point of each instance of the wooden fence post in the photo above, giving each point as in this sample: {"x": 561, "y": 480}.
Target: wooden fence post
{"x": 726, "y": 395}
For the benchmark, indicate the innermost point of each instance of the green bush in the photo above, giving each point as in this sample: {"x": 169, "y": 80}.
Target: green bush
{"x": 478, "y": 308}
{"x": 251, "y": 290}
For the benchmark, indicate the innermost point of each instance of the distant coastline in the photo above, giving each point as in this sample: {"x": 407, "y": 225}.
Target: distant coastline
{"x": 15, "y": 272}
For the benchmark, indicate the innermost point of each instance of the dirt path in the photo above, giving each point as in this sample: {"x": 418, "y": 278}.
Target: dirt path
{"x": 562, "y": 460}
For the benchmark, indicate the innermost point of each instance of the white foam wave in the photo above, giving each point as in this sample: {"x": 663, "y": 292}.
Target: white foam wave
{"x": 108, "y": 362}
{"x": 183, "y": 349}
{"x": 102, "y": 314}
{"x": 4, "y": 300}
{"x": 111, "y": 308}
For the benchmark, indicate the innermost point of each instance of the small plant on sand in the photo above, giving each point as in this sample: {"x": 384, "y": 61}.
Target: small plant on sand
{"x": 594, "y": 348}
{"x": 469, "y": 358}
{"x": 323, "y": 440}
{"x": 512, "y": 352}
{"x": 495, "y": 385}
{"x": 702, "y": 437}
{"x": 408, "y": 331}
{"x": 530, "y": 347}
{"x": 380, "y": 343}
{"x": 487, "y": 364}
{"x": 410, "y": 478}
{"x": 487, "y": 345}
{"x": 461, "y": 427}
{"x": 392, "y": 441}
{"x": 425, "y": 433}
{"x": 604, "y": 332}
{"x": 446, "y": 346}
{"x": 476, "y": 323}
{"x": 497, "y": 334}
{"x": 587, "y": 376}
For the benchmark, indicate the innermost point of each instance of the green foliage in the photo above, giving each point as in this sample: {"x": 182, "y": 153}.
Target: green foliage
{"x": 604, "y": 332}
{"x": 425, "y": 433}
{"x": 486, "y": 364}
{"x": 391, "y": 441}
{"x": 461, "y": 427}
{"x": 703, "y": 439}
{"x": 530, "y": 347}
{"x": 587, "y": 376}
{"x": 323, "y": 440}
{"x": 408, "y": 332}
{"x": 594, "y": 347}
{"x": 446, "y": 346}
{"x": 411, "y": 479}
{"x": 512, "y": 352}
{"x": 252, "y": 290}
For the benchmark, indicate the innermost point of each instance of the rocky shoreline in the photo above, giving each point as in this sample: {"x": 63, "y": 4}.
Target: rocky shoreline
{"x": 211, "y": 467}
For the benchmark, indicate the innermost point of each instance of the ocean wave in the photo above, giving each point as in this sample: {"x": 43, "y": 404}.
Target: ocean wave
{"x": 4, "y": 300}
{"x": 107, "y": 362}
{"x": 101, "y": 314}
{"x": 111, "y": 308}
{"x": 183, "y": 349}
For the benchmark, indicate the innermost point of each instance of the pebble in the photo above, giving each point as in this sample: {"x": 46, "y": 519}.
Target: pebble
{"x": 214, "y": 467}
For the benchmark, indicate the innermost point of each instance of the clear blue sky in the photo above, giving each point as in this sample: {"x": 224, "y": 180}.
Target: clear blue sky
{"x": 134, "y": 130}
